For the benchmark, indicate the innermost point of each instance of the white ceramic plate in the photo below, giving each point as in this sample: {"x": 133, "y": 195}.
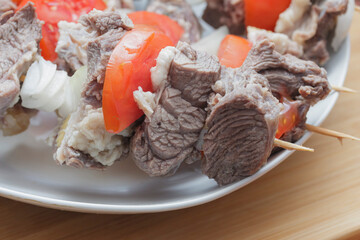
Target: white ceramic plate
{"x": 28, "y": 173}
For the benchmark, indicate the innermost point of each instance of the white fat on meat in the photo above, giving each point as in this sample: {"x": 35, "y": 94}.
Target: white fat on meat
{"x": 145, "y": 101}
{"x": 307, "y": 29}
{"x": 73, "y": 41}
{"x": 91, "y": 137}
{"x": 160, "y": 72}
{"x": 283, "y": 44}
{"x": 289, "y": 20}
{"x": 292, "y": 15}
{"x": 48, "y": 89}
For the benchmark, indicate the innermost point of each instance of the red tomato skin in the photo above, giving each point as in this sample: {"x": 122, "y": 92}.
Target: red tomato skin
{"x": 128, "y": 68}
{"x": 171, "y": 28}
{"x": 233, "y": 51}
{"x": 53, "y": 11}
{"x": 17, "y": 2}
{"x": 264, "y": 13}
{"x": 50, "y": 36}
{"x": 289, "y": 117}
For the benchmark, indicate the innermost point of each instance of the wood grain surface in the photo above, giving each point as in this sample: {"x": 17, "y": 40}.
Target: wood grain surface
{"x": 309, "y": 196}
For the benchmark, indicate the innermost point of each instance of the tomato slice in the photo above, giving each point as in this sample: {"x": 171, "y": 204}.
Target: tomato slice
{"x": 264, "y": 13}
{"x": 233, "y": 51}
{"x": 50, "y": 36}
{"x": 171, "y": 28}
{"x": 53, "y": 11}
{"x": 289, "y": 117}
{"x": 17, "y": 2}
{"x": 128, "y": 68}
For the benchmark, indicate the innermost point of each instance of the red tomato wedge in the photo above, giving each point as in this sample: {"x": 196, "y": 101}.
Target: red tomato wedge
{"x": 171, "y": 28}
{"x": 289, "y": 117}
{"x": 50, "y": 35}
{"x": 128, "y": 68}
{"x": 264, "y": 13}
{"x": 17, "y": 2}
{"x": 233, "y": 51}
{"x": 53, "y": 11}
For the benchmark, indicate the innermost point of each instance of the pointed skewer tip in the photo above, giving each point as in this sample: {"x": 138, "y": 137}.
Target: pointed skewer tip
{"x": 330, "y": 133}
{"x": 291, "y": 146}
{"x": 343, "y": 89}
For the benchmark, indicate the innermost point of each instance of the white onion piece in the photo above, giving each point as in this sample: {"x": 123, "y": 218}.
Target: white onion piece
{"x": 37, "y": 81}
{"x": 211, "y": 43}
{"x": 77, "y": 81}
{"x": 54, "y": 93}
{"x": 72, "y": 94}
{"x": 69, "y": 104}
{"x": 343, "y": 26}
{"x": 48, "y": 90}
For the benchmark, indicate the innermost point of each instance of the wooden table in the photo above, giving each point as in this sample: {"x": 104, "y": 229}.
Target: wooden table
{"x": 309, "y": 196}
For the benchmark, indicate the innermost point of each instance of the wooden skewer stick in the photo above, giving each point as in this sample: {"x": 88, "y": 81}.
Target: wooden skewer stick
{"x": 357, "y": 8}
{"x": 343, "y": 89}
{"x": 291, "y": 146}
{"x": 330, "y": 133}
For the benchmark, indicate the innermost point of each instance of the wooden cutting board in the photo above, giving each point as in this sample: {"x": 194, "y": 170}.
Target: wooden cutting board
{"x": 309, "y": 196}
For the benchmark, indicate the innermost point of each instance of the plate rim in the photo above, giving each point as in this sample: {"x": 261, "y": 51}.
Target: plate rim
{"x": 84, "y": 207}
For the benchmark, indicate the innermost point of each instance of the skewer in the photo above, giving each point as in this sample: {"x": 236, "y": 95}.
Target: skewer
{"x": 343, "y": 89}
{"x": 291, "y": 146}
{"x": 319, "y": 130}
{"x": 315, "y": 129}
{"x": 323, "y": 131}
{"x": 330, "y": 133}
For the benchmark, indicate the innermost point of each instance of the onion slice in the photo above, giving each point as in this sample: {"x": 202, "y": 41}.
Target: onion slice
{"x": 211, "y": 43}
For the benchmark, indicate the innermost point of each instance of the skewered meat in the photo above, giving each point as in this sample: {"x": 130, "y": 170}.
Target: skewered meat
{"x": 20, "y": 34}
{"x": 288, "y": 75}
{"x": 83, "y": 140}
{"x": 283, "y": 44}
{"x": 72, "y": 43}
{"x": 180, "y": 11}
{"x": 243, "y": 112}
{"x": 237, "y": 127}
{"x": 19, "y": 40}
{"x": 316, "y": 48}
{"x": 75, "y": 37}
{"x": 226, "y": 12}
{"x": 241, "y": 125}
{"x": 291, "y": 77}
{"x": 6, "y": 5}
{"x": 313, "y": 26}
{"x": 168, "y": 137}
{"x": 291, "y": 16}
